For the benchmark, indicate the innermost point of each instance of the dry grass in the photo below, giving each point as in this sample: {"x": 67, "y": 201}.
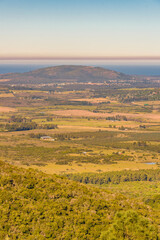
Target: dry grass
{"x": 88, "y": 167}
{"x": 85, "y": 113}
{"x": 6, "y": 95}
{"x": 93, "y": 100}
{"x": 7, "y": 109}
{"x": 5, "y": 80}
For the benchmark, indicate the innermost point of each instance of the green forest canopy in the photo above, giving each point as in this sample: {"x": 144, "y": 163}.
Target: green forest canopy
{"x": 34, "y": 205}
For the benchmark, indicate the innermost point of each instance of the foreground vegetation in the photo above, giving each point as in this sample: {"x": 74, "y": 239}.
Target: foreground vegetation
{"x": 34, "y": 205}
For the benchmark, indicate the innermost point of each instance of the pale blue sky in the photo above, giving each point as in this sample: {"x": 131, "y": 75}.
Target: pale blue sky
{"x": 79, "y": 28}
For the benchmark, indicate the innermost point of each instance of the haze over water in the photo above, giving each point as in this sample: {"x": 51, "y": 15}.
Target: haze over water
{"x": 128, "y": 67}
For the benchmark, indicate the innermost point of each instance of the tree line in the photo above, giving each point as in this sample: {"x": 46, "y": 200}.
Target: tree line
{"x": 116, "y": 177}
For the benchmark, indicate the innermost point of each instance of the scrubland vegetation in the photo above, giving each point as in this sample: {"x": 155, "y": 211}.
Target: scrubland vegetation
{"x": 97, "y": 126}
{"x": 107, "y": 138}
{"x": 39, "y": 206}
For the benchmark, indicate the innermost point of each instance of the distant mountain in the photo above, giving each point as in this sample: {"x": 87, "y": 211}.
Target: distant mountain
{"x": 65, "y": 73}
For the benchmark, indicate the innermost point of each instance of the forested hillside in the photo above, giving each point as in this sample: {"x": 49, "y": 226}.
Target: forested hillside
{"x": 34, "y": 205}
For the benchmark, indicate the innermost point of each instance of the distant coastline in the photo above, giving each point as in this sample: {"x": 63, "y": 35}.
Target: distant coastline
{"x": 128, "y": 67}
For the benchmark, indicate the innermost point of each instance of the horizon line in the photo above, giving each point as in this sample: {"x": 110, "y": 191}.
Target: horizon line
{"x": 83, "y": 58}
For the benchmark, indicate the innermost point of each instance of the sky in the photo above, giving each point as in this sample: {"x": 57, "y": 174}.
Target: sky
{"x": 79, "y": 28}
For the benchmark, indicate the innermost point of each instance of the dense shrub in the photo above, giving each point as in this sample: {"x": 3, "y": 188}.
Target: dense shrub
{"x": 36, "y": 206}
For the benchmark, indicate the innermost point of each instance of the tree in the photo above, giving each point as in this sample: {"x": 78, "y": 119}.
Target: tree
{"x": 130, "y": 225}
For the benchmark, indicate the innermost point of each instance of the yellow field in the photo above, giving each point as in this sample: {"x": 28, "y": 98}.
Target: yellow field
{"x": 85, "y": 113}
{"x": 6, "y": 95}
{"x": 88, "y": 167}
{"x": 4, "y": 80}
{"x": 93, "y": 100}
{"x": 7, "y": 109}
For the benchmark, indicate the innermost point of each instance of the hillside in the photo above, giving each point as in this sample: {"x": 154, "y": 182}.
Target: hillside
{"x": 34, "y": 206}
{"x": 63, "y": 74}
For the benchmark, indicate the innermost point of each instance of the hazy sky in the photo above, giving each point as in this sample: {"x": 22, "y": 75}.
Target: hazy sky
{"x": 79, "y": 28}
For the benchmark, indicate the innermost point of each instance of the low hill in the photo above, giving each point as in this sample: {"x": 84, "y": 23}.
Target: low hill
{"x": 34, "y": 205}
{"x": 64, "y": 73}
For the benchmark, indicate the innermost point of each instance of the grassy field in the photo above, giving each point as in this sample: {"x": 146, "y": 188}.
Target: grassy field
{"x": 87, "y": 130}
{"x": 52, "y": 168}
{"x": 141, "y": 190}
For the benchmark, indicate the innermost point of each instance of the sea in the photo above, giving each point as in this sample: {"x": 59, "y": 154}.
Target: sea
{"x": 136, "y": 67}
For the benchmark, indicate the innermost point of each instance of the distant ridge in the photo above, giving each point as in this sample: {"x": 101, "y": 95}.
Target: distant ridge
{"x": 64, "y": 73}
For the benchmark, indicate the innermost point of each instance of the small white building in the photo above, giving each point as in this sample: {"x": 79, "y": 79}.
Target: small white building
{"x": 47, "y": 138}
